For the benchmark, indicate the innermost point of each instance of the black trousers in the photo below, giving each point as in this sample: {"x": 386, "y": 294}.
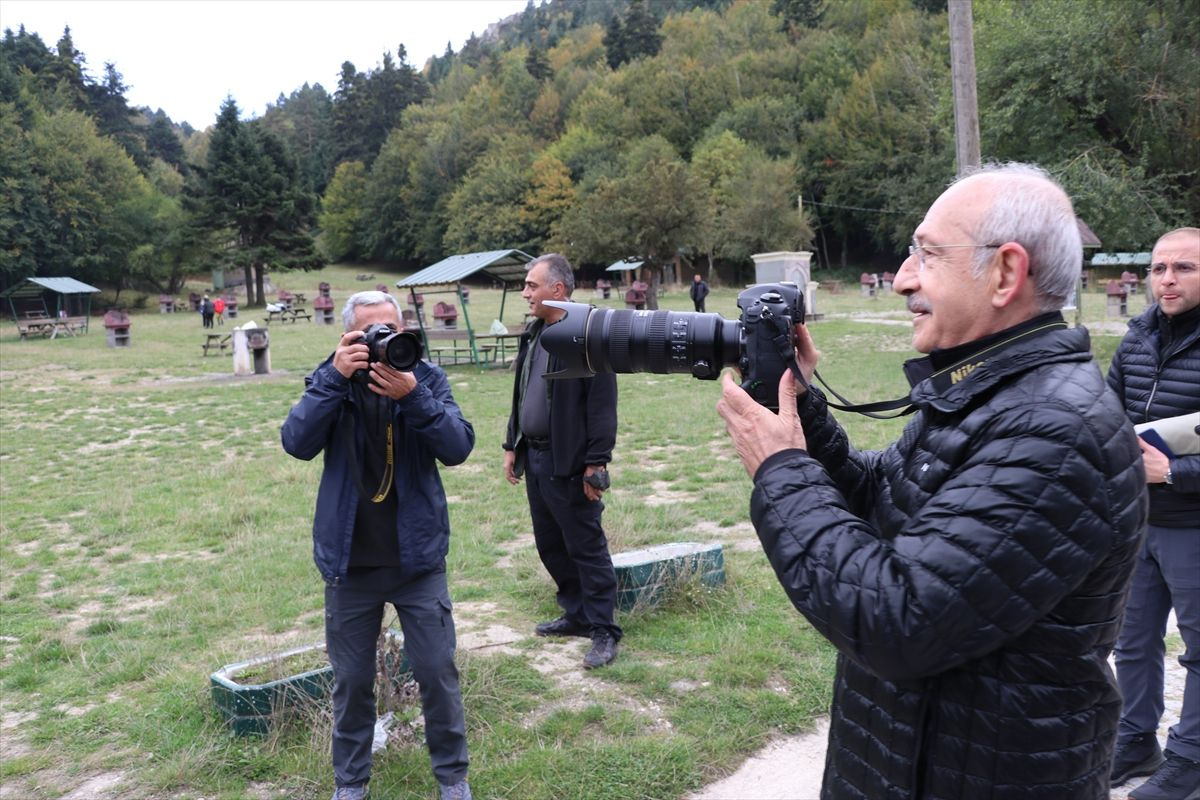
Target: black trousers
{"x": 699, "y": 304}
{"x": 353, "y": 614}
{"x": 572, "y": 544}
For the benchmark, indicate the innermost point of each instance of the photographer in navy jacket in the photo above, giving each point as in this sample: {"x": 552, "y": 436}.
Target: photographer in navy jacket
{"x": 380, "y": 535}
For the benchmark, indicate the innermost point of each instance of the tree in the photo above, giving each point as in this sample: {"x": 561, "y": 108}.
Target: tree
{"x": 537, "y": 65}
{"x": 485, "y": 211}
{"x": 614, "y": 43}
{"x": 798, "y": 13}
{"x": 343, "y": 213}
{"x": 550, "y": 195}
{"x": 641, "y": 36}
{"x": 649, "y": 208}
{"x": 249, "y": 193}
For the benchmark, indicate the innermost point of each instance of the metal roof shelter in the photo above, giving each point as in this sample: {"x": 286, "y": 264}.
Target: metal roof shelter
{"x": 505, "y": 266}
{"x": 623, "y": 265}
{"x": 30, "y": 296}
{"x": 1121, "y": 260}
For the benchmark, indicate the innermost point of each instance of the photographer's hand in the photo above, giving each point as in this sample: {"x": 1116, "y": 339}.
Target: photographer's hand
{"x": 351, "y": 354}
{"x": 757, "y": 433}
{"x": 391, "y": 382}
{"x": 807, "y": 356}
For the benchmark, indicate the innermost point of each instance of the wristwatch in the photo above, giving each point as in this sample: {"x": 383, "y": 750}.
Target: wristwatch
{"x": 1167, "y": 478}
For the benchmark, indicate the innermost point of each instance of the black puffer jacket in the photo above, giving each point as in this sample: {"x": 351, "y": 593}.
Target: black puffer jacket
{"x": 972, "y": 575}
{"x": 1156, "y": 373}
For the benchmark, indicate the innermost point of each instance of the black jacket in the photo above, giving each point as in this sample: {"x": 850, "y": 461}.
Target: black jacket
{"x": 1156, "y": 373}
{"x": 583, "y": 415}
{"x": 972, "y": 576}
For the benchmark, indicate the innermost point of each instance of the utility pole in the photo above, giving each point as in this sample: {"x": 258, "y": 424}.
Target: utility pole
{"x": 962, "y": 72}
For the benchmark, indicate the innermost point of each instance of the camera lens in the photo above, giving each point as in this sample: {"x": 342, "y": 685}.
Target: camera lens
{"x": 589, "y": 340}
{"x": 401, "y": 350}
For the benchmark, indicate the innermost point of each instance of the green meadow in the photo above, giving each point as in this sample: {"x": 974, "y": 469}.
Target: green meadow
{"x": 152, "y": 530}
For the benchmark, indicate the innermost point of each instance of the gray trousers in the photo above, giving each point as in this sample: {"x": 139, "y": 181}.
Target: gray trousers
{"x": 353, "y": 614}
{"x": 1167, "y": 575}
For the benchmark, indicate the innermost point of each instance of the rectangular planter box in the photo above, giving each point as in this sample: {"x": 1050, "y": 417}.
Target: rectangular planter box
{"x": 250, "y": 698}
{"x": 646, "y": 576}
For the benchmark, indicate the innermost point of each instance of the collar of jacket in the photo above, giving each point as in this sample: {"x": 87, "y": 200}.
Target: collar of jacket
{"x": 948, "y": 379}
{"x": 1182, "y": 328}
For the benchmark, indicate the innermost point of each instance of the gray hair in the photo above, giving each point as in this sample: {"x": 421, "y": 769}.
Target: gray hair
{"x": 559, "y": 269}
{"x": 371, "y": 298}
{"x": 1031, "y": 208}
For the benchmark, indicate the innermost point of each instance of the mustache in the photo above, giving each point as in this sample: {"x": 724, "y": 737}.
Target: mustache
{"x": 917, "y": 305}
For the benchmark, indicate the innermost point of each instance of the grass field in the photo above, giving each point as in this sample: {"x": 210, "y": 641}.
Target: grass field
{"x": 152, "y": 530}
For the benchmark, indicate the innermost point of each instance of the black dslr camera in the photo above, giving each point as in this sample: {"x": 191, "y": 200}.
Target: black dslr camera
{"x": 760, "y": 344}
{"x": 398, "y": 349}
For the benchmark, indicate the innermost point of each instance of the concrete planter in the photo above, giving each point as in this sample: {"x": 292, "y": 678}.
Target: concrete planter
{"x": 645, "y": 577}
{"x": 253, "y": 695}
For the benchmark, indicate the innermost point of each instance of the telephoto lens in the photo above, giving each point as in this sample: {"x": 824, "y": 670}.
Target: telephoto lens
{"x": 588, "y": 340}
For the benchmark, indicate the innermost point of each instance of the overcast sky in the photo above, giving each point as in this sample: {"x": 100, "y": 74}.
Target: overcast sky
{"x": 185, "y": 56}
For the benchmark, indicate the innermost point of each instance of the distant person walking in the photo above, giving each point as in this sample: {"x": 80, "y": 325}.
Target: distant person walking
{"x": 206, "y": 312}
{"x": 698, "y": 291}
{"x": 219, "y": 310}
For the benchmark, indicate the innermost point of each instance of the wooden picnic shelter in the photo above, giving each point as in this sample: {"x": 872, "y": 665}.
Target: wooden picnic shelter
{"x": 446, "y": 277}
{"x": 72, "y": 306}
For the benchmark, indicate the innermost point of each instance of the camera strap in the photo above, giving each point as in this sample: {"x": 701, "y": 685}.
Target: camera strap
{"x": 389, "y": 470}
{"x": 787, "y": 352}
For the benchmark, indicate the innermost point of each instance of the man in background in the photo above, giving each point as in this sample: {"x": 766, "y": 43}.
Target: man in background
{"x": 1156, "y": 373}
{"x": 971, "y": 575}
{"x": 560, "y": 435}
{"x": 698, "y": 291}
{"x": 380, "y": 535}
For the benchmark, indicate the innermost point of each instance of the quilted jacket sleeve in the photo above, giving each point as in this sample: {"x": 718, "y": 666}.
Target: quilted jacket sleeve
{"x": 994, "y": 544}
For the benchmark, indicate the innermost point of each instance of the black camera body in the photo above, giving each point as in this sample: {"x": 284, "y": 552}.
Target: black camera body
{"x": 398, "y": 349}
{"x": 588, "y": 340}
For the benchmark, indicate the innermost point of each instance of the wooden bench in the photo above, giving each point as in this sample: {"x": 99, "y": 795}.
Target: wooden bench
{"x": 288, "y": 315}
{"x": 215, "y": 341}
{"x": 42, "y": 326}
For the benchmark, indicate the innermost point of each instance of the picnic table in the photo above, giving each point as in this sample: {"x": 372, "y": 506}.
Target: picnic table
{"x": 50, "y": 327}
{"x": 217, "y": 341}
{"x": 283, "y": 315}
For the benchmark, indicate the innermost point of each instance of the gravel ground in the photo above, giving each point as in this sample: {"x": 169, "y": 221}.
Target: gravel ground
{"x": 790, "y": 767}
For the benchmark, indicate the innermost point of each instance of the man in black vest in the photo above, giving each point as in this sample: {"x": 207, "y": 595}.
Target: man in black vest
{"x": 560, "y": 435}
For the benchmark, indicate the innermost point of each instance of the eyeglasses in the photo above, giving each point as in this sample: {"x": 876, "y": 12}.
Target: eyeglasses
{"x": 917, "y": 249}
{"x": 1183, "y": 269}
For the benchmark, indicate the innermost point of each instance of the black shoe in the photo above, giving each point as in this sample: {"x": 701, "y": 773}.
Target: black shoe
{"x": 563, "y": 627}
{"x": 1136, "y": 755}
{"x": 1178, "y": 779}
{"x": 604, "y": 651}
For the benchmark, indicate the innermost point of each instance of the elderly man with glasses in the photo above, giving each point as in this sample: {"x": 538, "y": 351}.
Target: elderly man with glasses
{"x": 972, "y": 574}
{"x": 1156, "y": 373}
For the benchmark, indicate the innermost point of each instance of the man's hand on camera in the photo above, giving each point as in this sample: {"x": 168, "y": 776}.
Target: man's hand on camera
{"x": 757, "y": 432}
{"x": 391, "y": 382}
{"x": 351, "y": 354}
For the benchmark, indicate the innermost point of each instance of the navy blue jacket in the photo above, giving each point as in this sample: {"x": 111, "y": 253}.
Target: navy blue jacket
{"x": 1156, "y": 373}
{"x": 428, "y": 426}
{"x": 972, "y": 577}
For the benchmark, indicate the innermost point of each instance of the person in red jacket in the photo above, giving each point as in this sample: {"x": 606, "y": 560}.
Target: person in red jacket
{"x": 219, "y": 310}
{"x": 971, "y": 575}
